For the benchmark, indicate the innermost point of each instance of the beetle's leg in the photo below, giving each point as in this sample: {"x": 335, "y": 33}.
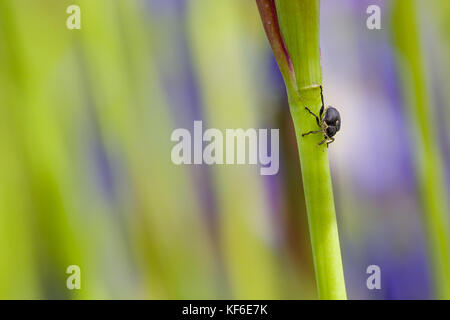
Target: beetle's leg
{"x": 331, "y": 141}
{"x": 317, "y": 118}
{"x": 323, "y": 104}
{"x": 305, "y": 134}
{"x": 327, "y": 140}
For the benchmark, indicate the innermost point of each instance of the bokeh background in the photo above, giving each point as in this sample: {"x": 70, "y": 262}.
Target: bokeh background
{"x": 86, "y": 176}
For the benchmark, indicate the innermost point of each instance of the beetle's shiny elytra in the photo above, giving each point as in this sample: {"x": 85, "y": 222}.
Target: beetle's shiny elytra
{"x": 329, "y": 121}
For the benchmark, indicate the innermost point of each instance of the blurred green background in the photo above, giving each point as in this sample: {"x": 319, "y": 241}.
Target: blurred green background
{"x": 86, "y": 176}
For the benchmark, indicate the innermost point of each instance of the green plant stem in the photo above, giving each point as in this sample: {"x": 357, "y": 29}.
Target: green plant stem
{"x": 299, "y": 24}
{"x": 427, "y": 155}
{"x": 319, "y": 198}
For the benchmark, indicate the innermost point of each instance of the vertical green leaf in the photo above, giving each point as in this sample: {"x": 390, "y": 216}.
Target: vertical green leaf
{"x": 428, "y": 157}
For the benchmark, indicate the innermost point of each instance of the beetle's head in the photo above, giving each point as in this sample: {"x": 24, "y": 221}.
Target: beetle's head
{"x": 331, "y": 131}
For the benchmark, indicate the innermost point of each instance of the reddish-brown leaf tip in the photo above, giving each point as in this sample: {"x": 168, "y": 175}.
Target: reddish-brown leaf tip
{"x": 268, "y": 13}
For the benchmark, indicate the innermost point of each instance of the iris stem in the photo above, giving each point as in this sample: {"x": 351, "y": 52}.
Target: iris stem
{"x": 299, "y": 23}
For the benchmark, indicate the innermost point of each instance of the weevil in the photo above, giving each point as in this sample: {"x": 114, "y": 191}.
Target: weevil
{"x": 329, "y": 121}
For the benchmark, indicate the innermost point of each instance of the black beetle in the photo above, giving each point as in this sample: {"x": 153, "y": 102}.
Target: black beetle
{"x": 329, "y": 121}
